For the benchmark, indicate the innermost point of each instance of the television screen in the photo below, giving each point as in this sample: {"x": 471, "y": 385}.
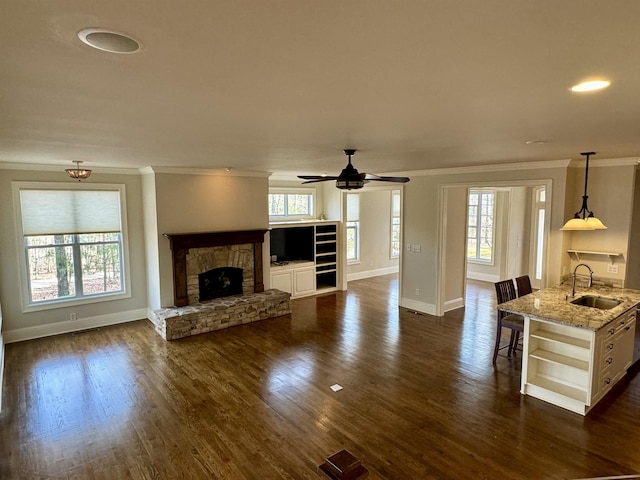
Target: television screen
{"x": 290, "y": 244}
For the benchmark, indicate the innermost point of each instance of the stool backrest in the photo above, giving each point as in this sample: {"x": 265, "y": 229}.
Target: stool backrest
{"x": 524, "y": 285}
{"x": 505, "y": 291}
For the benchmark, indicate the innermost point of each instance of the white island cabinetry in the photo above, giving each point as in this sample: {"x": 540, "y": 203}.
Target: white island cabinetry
{"x": 573, "y": 367}
{"x": 574, "y": 354}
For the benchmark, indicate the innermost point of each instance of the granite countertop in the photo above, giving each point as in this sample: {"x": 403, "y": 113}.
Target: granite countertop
{"x": 553, "y": 304}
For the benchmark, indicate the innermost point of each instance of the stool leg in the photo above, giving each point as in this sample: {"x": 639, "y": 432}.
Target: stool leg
{"x": 498, "y": 334}
{"x": 511, "y": 339}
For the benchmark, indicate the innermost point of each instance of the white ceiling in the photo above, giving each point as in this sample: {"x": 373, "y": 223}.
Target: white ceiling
{"x": 285, "y": 85}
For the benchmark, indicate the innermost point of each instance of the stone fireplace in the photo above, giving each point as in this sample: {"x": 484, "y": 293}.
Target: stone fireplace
{"x": 212, "y": 259}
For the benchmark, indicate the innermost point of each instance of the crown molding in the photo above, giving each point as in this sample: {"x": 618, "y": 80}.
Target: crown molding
{"x": 606, "y": 162}
{"x": 62, "y": 168}
{"x": 204, "y": 171}
{"x": 487, "y": 168}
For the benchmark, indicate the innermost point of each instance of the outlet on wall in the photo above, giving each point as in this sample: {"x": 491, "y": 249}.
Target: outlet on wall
{"x": 612, "y": 268}
{"x": 417, "y": 292}
{"x": 72, "y": 317}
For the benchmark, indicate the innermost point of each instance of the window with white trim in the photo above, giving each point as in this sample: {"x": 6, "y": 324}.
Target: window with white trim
{"x": 73, "y": 241}
{"x": 395, "y": 224}
{"x": 291, "y": 203}
{"x": 480, "y": 226}
{"x": 353, "y": 227}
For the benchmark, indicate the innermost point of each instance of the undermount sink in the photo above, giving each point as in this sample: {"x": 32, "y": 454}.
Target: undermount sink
{"x": 593, "y": 301}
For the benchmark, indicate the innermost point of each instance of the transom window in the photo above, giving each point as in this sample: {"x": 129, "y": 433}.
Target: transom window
{"x": 291, "y": 203}
{"x": 480, "y": 225}
{"x": 72, "y": 241}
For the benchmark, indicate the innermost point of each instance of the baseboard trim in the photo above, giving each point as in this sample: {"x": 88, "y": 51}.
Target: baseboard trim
{"x": 483, "y": 277}
{"x": 372, "y": 273}
{"x": 47, "y": 330}
{"x": 453, "y": 304}
{"x": 421, "y": 307}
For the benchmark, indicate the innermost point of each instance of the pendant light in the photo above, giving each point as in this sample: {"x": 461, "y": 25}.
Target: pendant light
{"x": 584, "y": 219}
{"x": 78, "y": 173}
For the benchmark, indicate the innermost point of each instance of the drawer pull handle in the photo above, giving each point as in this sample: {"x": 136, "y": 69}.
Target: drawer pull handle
{"x": 612, "y": 331}
{"x": 610, "y": 346}
{"x": 628, "y": 328}
{"x": 607, "y": 381}
{"x": 609, "y": 360}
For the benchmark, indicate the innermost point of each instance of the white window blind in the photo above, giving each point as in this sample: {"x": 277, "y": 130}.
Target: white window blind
{"x": 53, "y": 212}
{"x": 353, "y": 207}
{"x": 395, "y": 203}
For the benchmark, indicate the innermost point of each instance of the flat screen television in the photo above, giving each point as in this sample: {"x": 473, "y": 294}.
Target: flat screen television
{"x": 294, "y": 243}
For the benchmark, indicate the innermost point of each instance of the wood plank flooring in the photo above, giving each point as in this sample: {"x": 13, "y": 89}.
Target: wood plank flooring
{"x": 421, "y": 400}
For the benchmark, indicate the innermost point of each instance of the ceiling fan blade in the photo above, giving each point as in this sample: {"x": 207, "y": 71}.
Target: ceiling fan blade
{"x": 315, "y": 178}
{"x": 371, "y": 176}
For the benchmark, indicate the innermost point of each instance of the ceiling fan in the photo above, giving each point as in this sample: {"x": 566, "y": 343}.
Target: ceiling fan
{"x": 350, "y": 179}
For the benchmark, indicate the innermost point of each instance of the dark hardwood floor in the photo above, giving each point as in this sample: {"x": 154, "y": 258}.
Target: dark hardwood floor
{"x": 421, "y": 400}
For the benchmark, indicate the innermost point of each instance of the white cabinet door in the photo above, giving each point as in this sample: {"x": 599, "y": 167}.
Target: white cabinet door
{"x": 304, "y": 281}
{"x": 282, "y": 280}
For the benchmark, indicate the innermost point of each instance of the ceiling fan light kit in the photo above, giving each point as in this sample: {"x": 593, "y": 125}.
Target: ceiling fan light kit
{"x": 349, "y": 178}
{"x": 584, "y": 219}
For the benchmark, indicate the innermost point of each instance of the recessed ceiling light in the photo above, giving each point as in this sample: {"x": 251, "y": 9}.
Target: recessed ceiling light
{"x": 590, "y": 86}
{"x": 108, "y": 41}
{"x": 536, "y": 142}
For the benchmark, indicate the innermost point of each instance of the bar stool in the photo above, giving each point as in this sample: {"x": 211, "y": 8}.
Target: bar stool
{"x": 505, "y": 291}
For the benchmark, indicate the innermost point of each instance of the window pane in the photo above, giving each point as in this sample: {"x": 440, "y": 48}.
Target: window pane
{"x": 98, "y": 237}
{"x": 298, "y": 204}
{"x": 50, "y": 271}
{"x": 352, "y": 240}
{"x": 480, "y": 229}
{"x": 471, "y": 248}
{"x": 100, "y": 268}
{"x": 276, "y": 204}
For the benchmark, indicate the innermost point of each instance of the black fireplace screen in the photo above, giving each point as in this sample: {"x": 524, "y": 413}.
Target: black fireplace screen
{"x": 220, "y": 282}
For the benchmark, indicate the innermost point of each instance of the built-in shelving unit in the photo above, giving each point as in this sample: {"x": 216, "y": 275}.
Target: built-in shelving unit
{"x": 326, "y": 251}
{"x": 305, "y": 257}
{"x": 575, "y": 367}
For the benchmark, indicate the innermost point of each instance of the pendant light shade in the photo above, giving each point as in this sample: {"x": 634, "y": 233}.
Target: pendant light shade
{"x": 584, "y": 219}
{"x": 78, "y": 173}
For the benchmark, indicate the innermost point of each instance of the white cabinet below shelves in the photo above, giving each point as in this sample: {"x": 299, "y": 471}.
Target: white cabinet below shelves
{"x": 296, "y": 278}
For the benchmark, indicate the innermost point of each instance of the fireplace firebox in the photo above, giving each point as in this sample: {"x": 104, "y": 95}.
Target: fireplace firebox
{"x": 220, "y": 282}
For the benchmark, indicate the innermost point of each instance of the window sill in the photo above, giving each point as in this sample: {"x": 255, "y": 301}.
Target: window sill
{"x": 66, "y": 303}
{"x": 486, "y": 263}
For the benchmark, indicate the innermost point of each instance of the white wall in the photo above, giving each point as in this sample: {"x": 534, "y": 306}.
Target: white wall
{"x": 190, "y": 203}
{"x": 455, "y": 248}
{"x": 21, "y": 326}
{"x": 610, "y": 191}
{"x": 422, "y": 204}
{"x": 375, "y": 235}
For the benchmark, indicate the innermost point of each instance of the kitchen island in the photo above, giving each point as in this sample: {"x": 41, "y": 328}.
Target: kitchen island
{"x": 574, "y": 354}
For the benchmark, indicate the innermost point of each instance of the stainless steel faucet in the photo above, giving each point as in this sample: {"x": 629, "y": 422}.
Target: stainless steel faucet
{"x": 573, "y": 281}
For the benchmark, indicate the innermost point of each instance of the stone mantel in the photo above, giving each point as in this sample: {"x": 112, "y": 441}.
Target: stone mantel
{"x": 180, "y": 243}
